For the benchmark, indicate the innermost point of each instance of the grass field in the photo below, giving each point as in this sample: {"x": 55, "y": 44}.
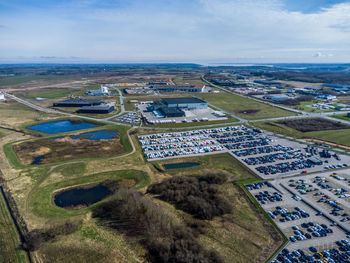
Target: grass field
{"x": 12, "y": 114}
{"x": 42, "y": 205}
{"x": 341, "y": 117}
{"x": 243, "y": 107}
{"x": 218, "y": 162}
{"x": 20, "y": 79}
{"x": 336, "y": 136}
{"x": 9, "y": 240}
{"x": 191, "y": 80}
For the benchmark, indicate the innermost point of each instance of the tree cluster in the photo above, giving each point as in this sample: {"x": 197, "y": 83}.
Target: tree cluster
{"x": 33, "y": 240}
{"x": 199, "y": 197}
{"x": 132, "y": 213}
{"x": 314, "y": 124}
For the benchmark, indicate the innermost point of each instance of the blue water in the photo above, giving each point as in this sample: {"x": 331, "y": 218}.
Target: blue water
{"x": 81, "y": 196}
{"x": 37, "y": 159}
{"x": 61, "y": 126}
{"x": 170, "y": 166}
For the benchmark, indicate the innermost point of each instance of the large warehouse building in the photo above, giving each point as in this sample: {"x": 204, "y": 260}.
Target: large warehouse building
{"x": 77, "y": 102}
{"x": 188, "y": 103}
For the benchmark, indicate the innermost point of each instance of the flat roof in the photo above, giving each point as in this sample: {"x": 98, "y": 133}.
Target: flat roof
{"x": 97, "y": 107}
{"x": 187, "y": 100}
{"x": 79, "y": 101}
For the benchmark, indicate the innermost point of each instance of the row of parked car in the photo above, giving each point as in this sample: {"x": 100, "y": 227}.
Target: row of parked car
{"x": 248, "y": 144}
{"x": 274, "y": 157}
{"x": 262, "y": 150}
{"x": 185, "y": 144}
{"x": 182, "y": 152}
{"x": 339, "y": 254}
{"x": 312, "y": 231}
{"x": 286, "y": 215}
{"x": 284, "y": 167}
{"x": 258, "y": 185}
{"x": 131, "y": 117}
{"x": 265, "y": 196}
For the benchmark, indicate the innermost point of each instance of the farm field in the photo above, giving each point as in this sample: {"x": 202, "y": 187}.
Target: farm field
{"x": 243, "y": 107}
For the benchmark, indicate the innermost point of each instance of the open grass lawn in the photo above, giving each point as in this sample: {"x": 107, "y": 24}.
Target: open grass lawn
{"x": 9, "y": 239}
{"x": 20, "y": 79}
{"x": 217, "y": 162}
{"x": 48, "y": 93}
{"x": 341, "y": 117}
{"x": 337, "y": 136}
{"x": 344, "y": 99}
{"x": 243, "y": 107}
{"x": 12, "y": 114}
{"x": 188, "y": 80}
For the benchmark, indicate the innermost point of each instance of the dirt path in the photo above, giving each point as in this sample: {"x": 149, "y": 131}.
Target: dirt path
{"x": 329, "y": 143}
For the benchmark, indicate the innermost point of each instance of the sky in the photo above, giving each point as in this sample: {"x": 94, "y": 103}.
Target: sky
{"x": 195, "y": 31}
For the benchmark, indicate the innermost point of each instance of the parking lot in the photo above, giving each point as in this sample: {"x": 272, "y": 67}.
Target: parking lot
{"x": 131, "y": 117}
{"x": 264, "y": 153}
{"x": 308, "y": 231}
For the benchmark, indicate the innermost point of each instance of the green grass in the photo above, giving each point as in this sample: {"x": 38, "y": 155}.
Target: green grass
{"x": 9, "y": 239}
{"x": 219, "y": 162}
{"x": 52, "y": 93}
{"x": 20, "y": 79}
{"x": 341, "y": 117}
{"x": 238, "y": 105}
{"x": 41, "y": 202}
{"x": 336, "y": 136}
{"x": 72, "y": 169}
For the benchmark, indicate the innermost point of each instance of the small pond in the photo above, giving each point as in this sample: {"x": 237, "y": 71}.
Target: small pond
{"x": 95, "y": 135}
{"x": 170, "y": 166}
{"x": 37, "y": 159}
{"x": 61, "y": 126}
{"x": 81, "y": 196}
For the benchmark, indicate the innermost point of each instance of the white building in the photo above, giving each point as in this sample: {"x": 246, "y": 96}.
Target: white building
{"x": 2, "y": 96}
{"x": 103, "y": 91}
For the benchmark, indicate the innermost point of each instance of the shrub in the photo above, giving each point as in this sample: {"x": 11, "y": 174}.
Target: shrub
{"x": 34, "y": 239}
{"x": 135, "y": 215}
{"x": 199, "y": 197}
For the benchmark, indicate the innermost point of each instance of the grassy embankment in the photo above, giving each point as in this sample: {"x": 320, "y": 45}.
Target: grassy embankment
{"x": 243, "y": 107}
{"x": 337, "y": 136}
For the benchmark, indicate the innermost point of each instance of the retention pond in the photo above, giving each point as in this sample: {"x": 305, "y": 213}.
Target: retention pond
{"x": 61, "y": 126}
{"x": 170, "y": 166}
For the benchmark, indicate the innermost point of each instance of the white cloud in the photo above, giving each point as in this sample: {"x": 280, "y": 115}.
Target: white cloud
{"x": 204, "y": 30}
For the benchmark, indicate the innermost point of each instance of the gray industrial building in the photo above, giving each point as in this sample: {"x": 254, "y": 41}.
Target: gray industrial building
{"x": 188, "y": 103}
{"x": 99, "y": 109}
{"x": 77, "y": 102}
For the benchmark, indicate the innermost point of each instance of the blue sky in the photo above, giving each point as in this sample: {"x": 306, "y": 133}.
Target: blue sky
{"x": 202, "y": 31}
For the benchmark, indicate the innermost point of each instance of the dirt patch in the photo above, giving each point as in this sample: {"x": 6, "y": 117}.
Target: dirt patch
{"x": 328, "y": 143}
{"x": 314, "y": 124}
{"x": 66, "y": 149}
{"x": 249, "y": 112}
